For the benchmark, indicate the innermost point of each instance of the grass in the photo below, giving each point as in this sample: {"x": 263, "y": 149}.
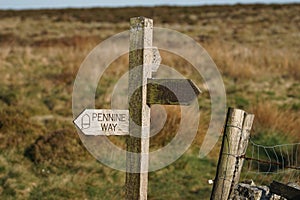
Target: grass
{"x": 269, "y": 117}
{"x": 255, "y": 47}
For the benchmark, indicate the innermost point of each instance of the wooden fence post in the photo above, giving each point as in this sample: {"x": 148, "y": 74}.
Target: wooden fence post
{"x": 140, "y": 58}
{"x": 235, "y": 141}
{"x": 245, "y": 136}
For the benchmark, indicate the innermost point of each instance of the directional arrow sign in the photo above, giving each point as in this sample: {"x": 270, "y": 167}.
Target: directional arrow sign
{"x": 103, "y": 122}
{"x": 171, "y": 91}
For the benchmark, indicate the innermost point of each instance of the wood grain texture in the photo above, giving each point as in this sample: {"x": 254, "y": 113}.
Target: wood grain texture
{"x": 235, "y": 141}
{"x": 140, "y": 58}
{"x": 245, "y": 136}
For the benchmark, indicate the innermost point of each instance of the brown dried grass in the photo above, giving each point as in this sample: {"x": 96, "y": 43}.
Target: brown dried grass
{"x": 269, "y": 116}
{"x": 248, "y": 62}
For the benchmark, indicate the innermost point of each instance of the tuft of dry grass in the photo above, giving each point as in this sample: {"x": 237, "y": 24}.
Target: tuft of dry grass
{"x": 233, "y": 61}
{"x": 249, "y": 62}
{"x": 269, "y": 116}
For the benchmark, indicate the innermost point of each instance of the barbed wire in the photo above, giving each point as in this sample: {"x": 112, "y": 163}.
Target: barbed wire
{"x": 269, "y": 162}
{"x": 278, "y": 161}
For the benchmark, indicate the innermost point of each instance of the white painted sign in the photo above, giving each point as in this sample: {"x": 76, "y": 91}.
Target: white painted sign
{"x": 103, "y": 122}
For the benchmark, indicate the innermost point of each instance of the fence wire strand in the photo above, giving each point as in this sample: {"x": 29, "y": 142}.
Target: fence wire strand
{"x": 266, "y": 163}
{"x": 262, "y": 164}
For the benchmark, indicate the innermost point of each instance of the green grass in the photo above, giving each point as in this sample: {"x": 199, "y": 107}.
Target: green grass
{"x": 256, "y": 48}
{"x": 271, "y": 138}
{"x": 187, "y": 178}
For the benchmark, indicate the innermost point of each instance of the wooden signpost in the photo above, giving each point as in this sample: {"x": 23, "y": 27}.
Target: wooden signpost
{"x": 135, "y": 122}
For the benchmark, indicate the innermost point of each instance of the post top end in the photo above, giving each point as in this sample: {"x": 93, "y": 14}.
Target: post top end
{"x": 140, "y": 20}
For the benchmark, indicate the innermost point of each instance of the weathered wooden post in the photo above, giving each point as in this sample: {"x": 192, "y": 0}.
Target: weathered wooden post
{"x": 143, "y": 91}
{"x": 141, "y": 30}
{"x": 243, "y": 144}
{"x": 235, "y": 141}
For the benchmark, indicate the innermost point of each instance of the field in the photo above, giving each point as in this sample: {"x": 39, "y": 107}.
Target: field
{"x": 256, "y": 48}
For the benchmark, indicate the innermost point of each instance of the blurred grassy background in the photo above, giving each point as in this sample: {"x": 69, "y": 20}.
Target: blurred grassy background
{"x": 256, "y": 48}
